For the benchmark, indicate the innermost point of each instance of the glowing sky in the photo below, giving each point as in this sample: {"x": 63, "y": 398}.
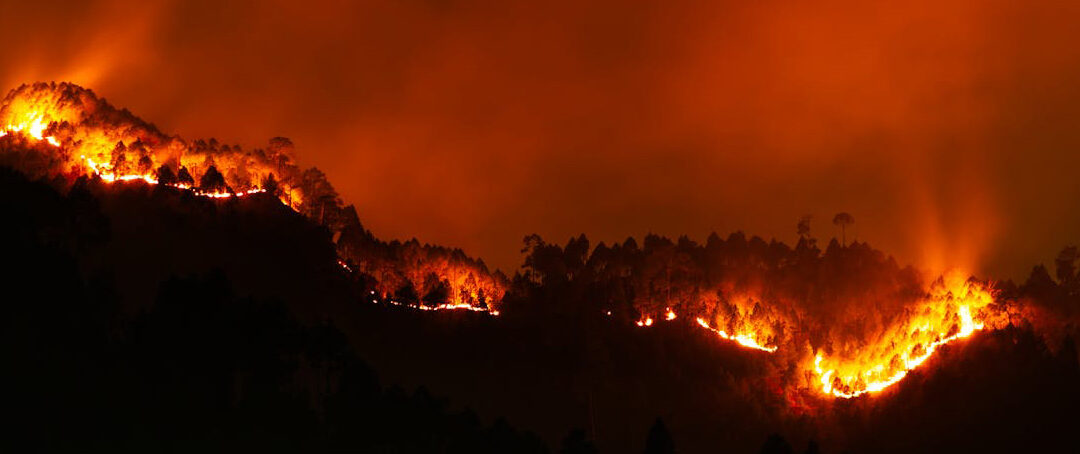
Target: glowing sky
{"x": 949, "y": 132}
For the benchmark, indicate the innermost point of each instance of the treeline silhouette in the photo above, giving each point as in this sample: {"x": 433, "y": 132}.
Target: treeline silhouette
{"x": 738, "y": 279}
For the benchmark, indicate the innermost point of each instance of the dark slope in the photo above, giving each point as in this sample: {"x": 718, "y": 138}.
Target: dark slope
{"x": 143, "y": 317}
{"x": 143, "y": 320}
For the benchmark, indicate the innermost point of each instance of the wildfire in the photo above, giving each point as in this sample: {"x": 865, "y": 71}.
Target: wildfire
{"x": 953, "y": 309}
{"x": 945, "y": 316}
{"x": 745, "y": 339}
{"x": 34, "y": 126}
{"x": 91, "y": 137}
{"x": 440, "y": 307}
{"x": 104, "y": 171}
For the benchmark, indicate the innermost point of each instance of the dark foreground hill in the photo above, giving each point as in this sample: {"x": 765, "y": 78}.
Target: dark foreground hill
{"x": 140, "y": 318}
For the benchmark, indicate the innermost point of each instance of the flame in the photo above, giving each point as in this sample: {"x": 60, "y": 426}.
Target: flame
{"x": 34, "y": 125}
{"x": 945, "y": 316}
{"x": 745, "y": 339}
{"x": 954, "y": 308}
{"x": 440, "y": 307}
{"x": 104, "y": 171}
{"x": 99, "y": 139}
{"x": 92, "y": 137}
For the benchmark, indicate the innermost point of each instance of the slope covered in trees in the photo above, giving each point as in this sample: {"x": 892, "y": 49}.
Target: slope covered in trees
{"x": 237, "y": 308}
{"x": 62, "y": 131}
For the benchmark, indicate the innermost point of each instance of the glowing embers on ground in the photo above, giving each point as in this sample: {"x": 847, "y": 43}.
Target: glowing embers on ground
{"x": 945, "y": 316}
{"x": 104, "y": 171}
{"x": 440, "y": 307}
{"x": 745, "y": 339}
{"x": 954, "y": 308}
{"x": 34, "y": 127}
{"x": 749, "y": 340}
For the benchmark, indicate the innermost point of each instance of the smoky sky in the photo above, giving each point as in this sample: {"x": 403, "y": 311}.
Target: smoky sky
{"x": 948, "y": 129}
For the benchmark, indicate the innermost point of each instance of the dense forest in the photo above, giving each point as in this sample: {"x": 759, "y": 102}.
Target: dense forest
{"x": 222, "y": 297}
{"x": 118, "y": 342}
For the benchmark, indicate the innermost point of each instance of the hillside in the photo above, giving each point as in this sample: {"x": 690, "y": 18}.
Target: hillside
{"x": 231, "y": 307}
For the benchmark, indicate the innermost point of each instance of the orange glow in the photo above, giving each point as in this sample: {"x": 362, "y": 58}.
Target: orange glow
{"x": 745, "y": 339}
{"x": 104, "y": 171}
{"x": 441, "y": 307}
{"x": 954, "y": 309}
{"x": 93, "y": 137}
{"x": 85, "y": 135}
{"x": 32, "y": 125}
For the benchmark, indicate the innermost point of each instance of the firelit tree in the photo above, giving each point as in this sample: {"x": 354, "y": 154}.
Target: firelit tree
{"x": 184, "y": 177}
{"x": 165, "y": 175}
{"x": 213, "y": 181}
{"x": 271, "y": 186}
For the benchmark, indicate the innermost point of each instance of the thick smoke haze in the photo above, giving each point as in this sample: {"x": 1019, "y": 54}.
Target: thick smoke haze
{"x": 948, "y": 131}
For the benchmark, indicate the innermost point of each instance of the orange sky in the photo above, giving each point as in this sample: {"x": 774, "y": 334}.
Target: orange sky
{"x": 949, "y": 132}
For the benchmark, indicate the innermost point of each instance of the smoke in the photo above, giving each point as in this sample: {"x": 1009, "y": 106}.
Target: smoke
{"x": 944, "y": 129}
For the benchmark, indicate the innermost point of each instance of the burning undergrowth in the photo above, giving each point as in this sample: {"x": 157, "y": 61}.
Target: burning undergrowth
{"x": 50, "y": 130}
{"x": 843, "y": 322}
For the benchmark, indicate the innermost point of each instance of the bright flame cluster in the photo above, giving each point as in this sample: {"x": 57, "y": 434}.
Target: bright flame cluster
{"x": 953, "y": 309}
{"x": 104, "y": 170}
{"x": 124, "y": 152}
{"x": 440, "y": 307}
{"x": 948, "y": 314}
{"x": 34, "y": 126}
{"x": 745, "y": 339}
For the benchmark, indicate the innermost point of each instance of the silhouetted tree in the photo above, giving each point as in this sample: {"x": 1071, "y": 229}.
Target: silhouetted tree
{"x": 119, "y": 159}
{"x": 843, "y": 220}
{"x": 145, "y": 164}
{"x": 165, "y": 175}
{"x": 803, "y": 228}
{"x": 436, "y": 290}
{"x": 212, "y": 181}
{"x": 271, "y": 186}
{"x": 659, "y": 440}
{"x": 184, "y": 177}
{"x": 406, "y": 294}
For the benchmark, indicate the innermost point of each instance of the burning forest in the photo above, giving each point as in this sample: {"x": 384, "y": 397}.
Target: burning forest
{"x": 572, "y": 227}
{"x": 63, "y": 130}
{"x": 821, "y": 327}
{"x": 849, "y": 320}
